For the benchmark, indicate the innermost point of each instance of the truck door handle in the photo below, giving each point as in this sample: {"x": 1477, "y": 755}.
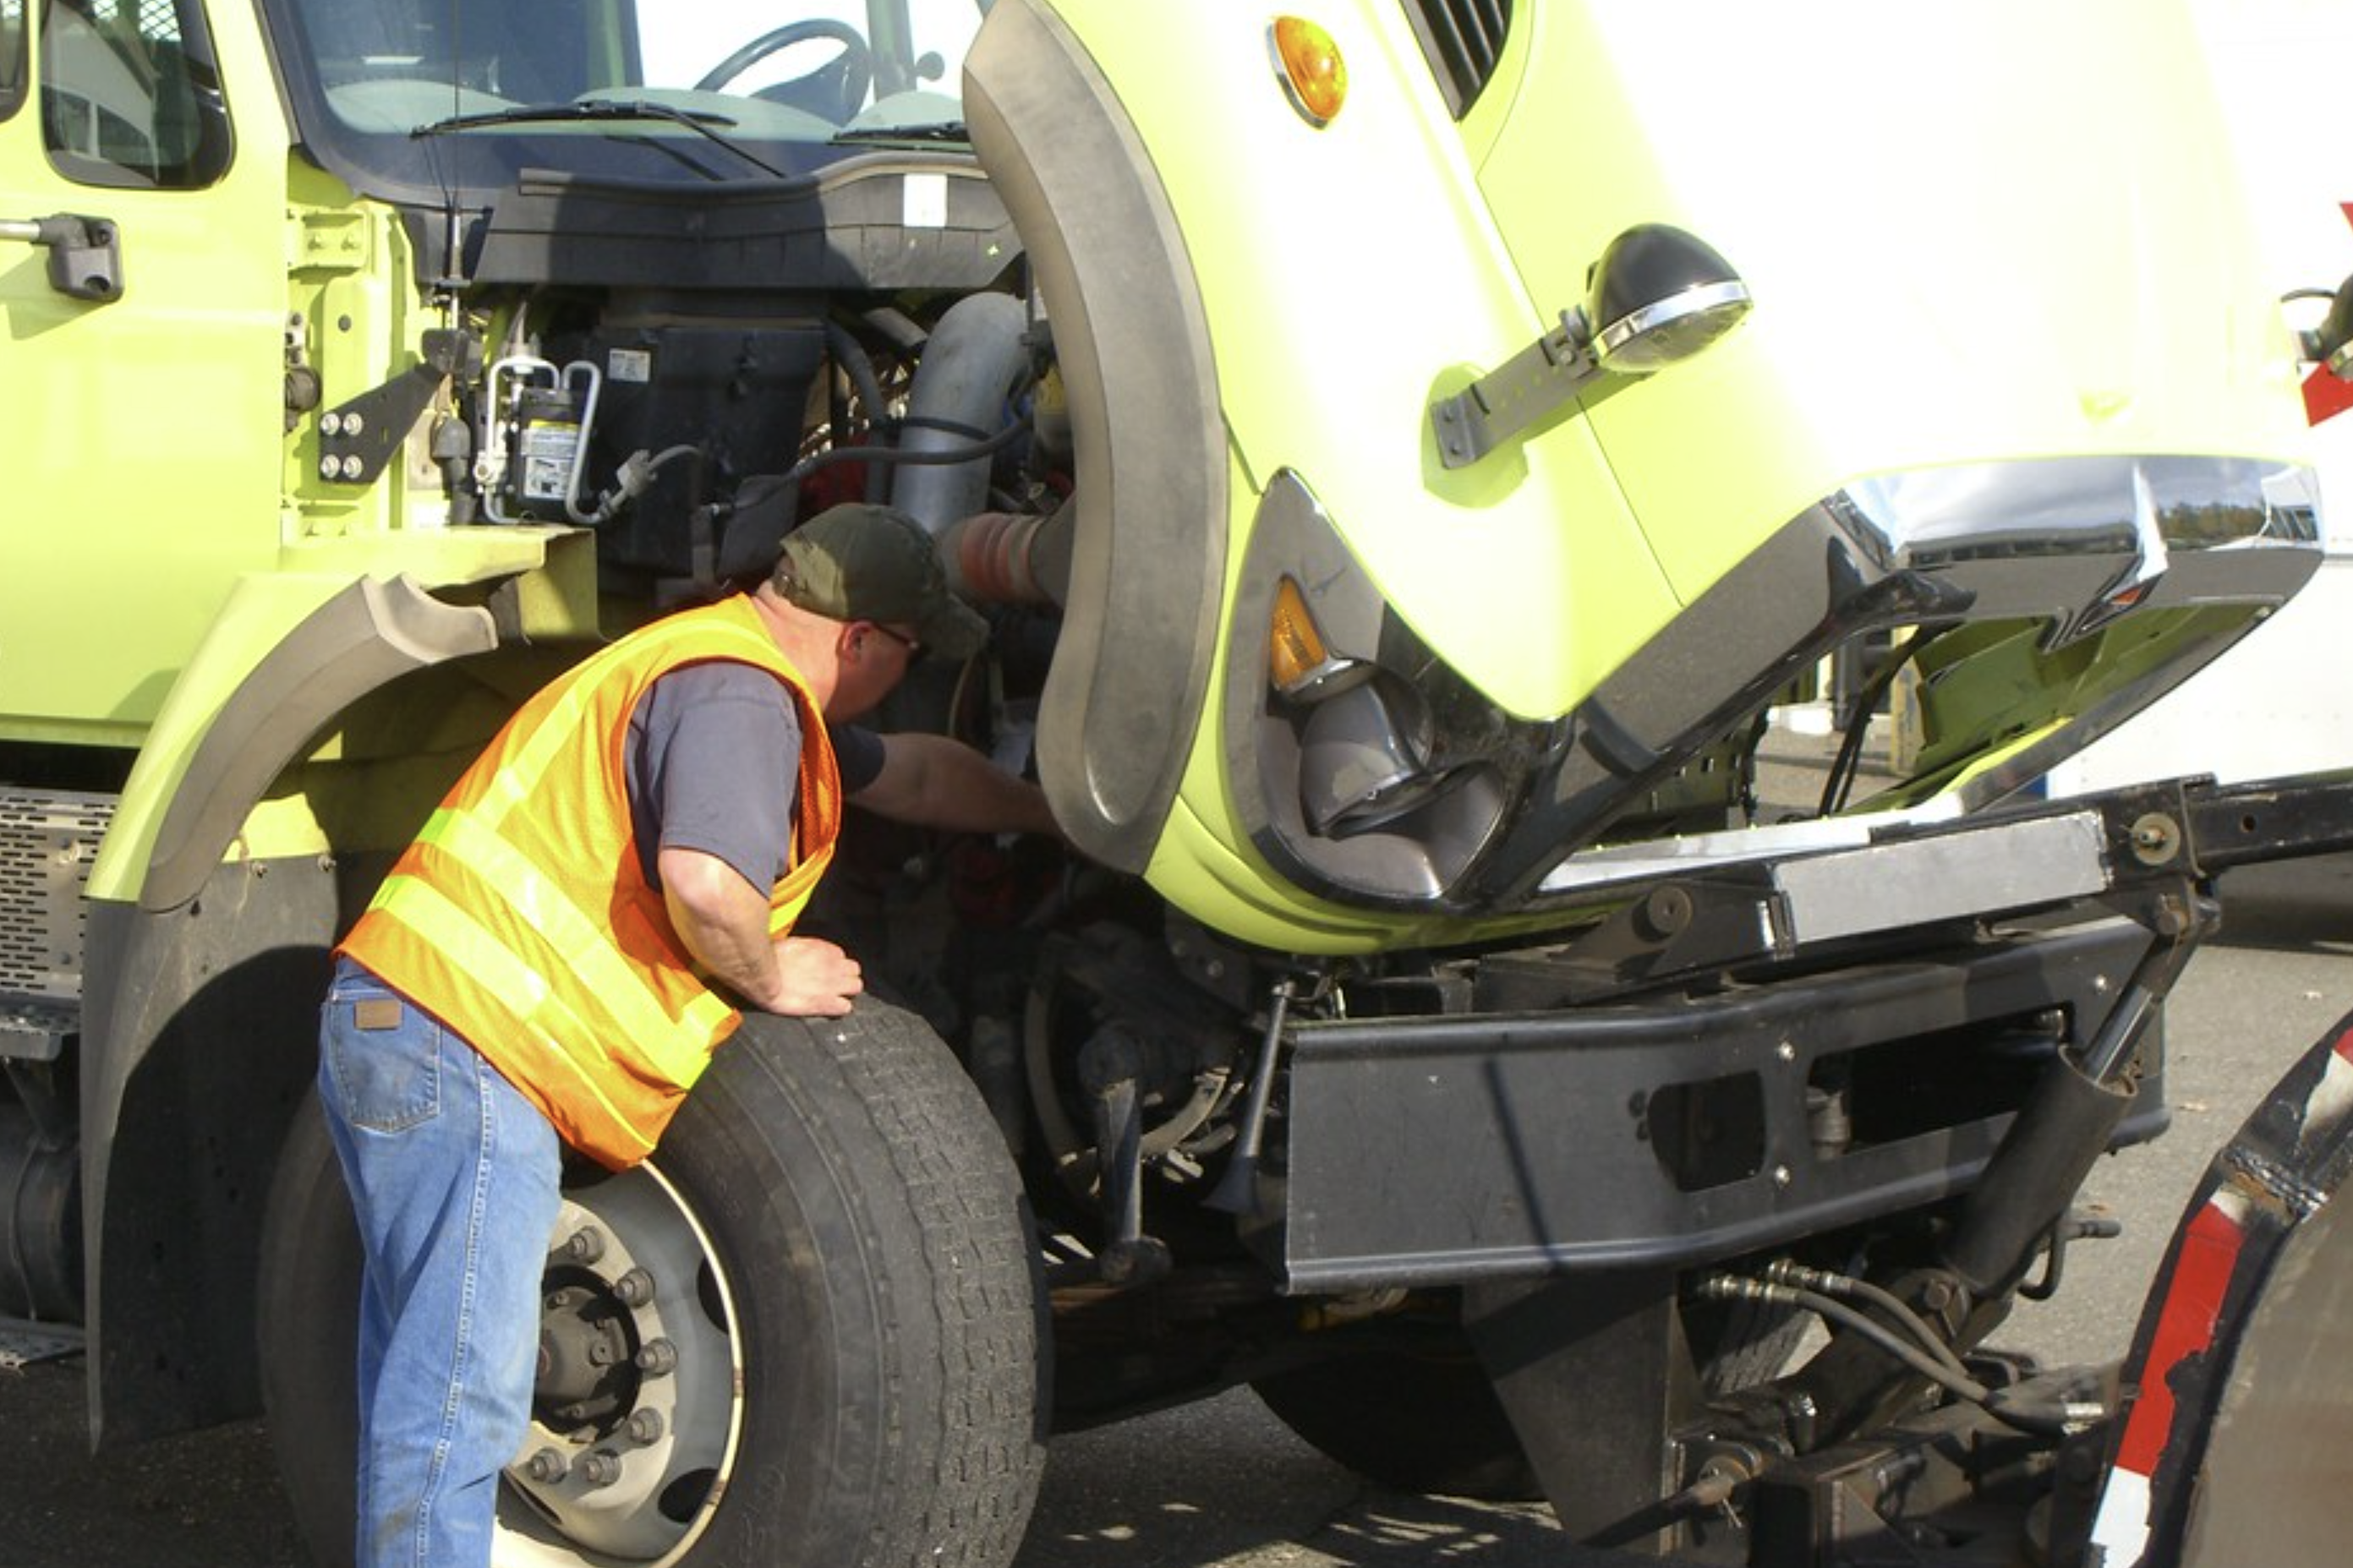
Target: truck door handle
{"x": 85, "y": 253}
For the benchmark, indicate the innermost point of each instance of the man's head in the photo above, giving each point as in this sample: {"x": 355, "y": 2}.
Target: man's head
{"x": 876, "y": 572}
{"x": 861, "y": 562}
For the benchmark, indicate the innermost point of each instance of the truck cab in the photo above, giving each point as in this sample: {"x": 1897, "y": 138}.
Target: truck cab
{"x": 1410, "y": 454}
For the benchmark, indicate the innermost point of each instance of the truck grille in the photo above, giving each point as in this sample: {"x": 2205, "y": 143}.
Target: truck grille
{"x": 47, "y": 840}
{"x": 1463, "y": 39}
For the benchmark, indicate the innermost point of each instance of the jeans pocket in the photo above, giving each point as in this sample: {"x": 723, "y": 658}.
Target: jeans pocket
{"x": 387, "y": 1079}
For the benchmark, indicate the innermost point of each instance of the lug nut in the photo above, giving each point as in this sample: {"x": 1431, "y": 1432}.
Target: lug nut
{"x": 634, "y": 1289}
{"x": 546, "y": 1467}
{"x": 601, "y": 1469}
{"x": 586, "y": 1245}
{"x": 659, "y": 1358}
{"x": 645, "y": 1426}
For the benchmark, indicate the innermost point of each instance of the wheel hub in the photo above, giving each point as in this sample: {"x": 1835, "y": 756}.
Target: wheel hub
{"x": 635, "y": 1408}
{"x": 586, "y": 1373}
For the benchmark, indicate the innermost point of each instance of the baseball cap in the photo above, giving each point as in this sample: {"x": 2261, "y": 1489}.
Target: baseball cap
{"x": 861, "y": 562}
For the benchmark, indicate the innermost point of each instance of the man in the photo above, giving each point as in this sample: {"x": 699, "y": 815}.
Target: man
{"x": 545, "y": 966}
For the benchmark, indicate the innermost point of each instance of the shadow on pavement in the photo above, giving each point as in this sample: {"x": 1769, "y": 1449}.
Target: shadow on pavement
{"x": 2304, "y": 906}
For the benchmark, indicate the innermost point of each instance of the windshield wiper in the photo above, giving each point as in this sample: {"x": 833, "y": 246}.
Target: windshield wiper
{"x": 937, "y": 131}
{"x": 604, "y": 108}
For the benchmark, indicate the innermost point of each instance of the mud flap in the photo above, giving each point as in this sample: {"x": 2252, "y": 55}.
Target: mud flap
{"x": 2238, "y": 1444}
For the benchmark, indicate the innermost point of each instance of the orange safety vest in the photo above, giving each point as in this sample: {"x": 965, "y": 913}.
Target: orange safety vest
{"x": 522, "y": 917}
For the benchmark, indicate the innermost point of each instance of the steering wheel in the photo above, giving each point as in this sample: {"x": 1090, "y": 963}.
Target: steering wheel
{"x": 841, "y": 84}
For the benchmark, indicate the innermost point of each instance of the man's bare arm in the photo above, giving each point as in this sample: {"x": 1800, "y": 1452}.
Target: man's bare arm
{"x": 723, "y": 920}
{"x": 934, "y": 781}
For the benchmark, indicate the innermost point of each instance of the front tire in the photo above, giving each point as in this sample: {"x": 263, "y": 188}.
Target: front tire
{"x": 832, "y": 1242}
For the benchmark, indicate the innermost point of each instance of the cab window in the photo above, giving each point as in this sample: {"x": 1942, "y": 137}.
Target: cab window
{"x": 12, "y": 55}
{"x": 130, "y": 94}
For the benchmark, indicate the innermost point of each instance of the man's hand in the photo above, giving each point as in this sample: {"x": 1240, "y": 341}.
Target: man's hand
{"x": 723, "y": 920}
{"x": 814, "y": 979}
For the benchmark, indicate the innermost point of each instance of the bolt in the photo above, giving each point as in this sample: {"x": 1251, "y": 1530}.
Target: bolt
{"x": 635, "y": 1289}
{"x": 329, "y": 467}
{"x": 2156, "y": 839}
{"x": 1781, "y": 1177}
{"x": 330, "y": 424}
{"x": 645, "y": 1426}
{"x": 354, "y": 466}
{"x": 657, "y": 1359}
{"x": 546, "y": 1467}
{"x": 601, "y": 1469}
{"x": 352, "y": 424}
{"x": 586, "y": 1245}
{"x": 1665, "y": 913}
{"x": 1786, "y": 1051}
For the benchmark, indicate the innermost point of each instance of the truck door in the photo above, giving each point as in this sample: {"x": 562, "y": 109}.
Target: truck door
{"x": 141, "y": 349}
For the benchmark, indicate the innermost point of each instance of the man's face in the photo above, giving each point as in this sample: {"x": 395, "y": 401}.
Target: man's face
{"x": 874, "y": 656}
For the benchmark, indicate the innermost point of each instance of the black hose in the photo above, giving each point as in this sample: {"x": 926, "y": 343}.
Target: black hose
{"x": 859, "y": 366}
{"x": 1784, "y": 1272}
{"x": 947, "y": 455}
{"x": 1841, "y": 781}
{"x": 2034, "y": 1417}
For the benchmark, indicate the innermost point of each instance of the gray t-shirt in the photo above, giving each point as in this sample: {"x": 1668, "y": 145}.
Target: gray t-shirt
{"x": 713, "y": 763}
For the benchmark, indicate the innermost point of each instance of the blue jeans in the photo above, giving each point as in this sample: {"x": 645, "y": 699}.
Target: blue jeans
{"x": 454, "y": 1181}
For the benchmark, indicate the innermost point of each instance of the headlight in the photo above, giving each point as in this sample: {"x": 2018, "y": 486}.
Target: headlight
{"x": 1363, "y": 768}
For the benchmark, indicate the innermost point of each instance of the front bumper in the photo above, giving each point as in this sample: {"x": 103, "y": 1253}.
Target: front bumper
{"x": 1512, "y": 1142}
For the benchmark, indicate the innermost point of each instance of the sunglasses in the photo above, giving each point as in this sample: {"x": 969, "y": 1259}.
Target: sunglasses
{"x": 914, "y": 645}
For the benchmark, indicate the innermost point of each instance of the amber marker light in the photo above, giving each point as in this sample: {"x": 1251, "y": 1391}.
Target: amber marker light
{"x": 1296, "y": 655}
{"x": 1313, "y": 74}
{"x": 1299, "y": 660}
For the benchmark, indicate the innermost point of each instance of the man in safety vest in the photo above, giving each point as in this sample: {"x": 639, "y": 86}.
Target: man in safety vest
{"x": 559, "y": 952}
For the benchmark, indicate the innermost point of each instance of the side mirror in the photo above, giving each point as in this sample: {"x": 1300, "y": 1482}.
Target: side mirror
{"x": 1660, "y": 295}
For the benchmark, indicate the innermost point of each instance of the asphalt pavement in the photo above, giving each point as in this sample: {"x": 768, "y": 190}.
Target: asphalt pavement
{"x": 1222, "y": 1484}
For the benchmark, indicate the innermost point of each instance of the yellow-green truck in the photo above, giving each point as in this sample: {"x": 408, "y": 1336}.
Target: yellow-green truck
{"x": 1410, "y": 452}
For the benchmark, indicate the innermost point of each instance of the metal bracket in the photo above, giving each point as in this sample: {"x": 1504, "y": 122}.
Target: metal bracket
{"x": 1518, "y": 393}
{"x": 357, "y": 439}
{"x": 85, "y": 253}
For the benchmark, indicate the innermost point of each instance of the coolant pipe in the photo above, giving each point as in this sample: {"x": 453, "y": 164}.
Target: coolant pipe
{"x": 1236, "y": 1190}
{"x": 973, "y": 360}
{"x": 1006, "y": 558}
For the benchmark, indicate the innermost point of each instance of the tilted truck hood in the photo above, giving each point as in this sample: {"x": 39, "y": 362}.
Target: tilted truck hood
{"x": 2008, "y": 372}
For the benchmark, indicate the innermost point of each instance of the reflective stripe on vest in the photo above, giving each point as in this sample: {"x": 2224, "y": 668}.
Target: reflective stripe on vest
{"x": 522, "y": 916}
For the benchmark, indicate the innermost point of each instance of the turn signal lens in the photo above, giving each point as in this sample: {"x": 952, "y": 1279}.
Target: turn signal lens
{"x": 1313, "y": 72}
{"x": 1296, "y": 655}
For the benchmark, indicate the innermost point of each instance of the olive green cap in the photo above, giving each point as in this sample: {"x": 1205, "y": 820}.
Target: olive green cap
{"x": 859, "y": 562}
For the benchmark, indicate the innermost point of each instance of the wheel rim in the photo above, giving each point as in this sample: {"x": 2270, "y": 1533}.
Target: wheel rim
{"x": 639, "y": 1411}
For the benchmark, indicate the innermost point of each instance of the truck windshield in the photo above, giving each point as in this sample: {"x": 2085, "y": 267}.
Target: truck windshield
{"x": 435, "y": 100}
